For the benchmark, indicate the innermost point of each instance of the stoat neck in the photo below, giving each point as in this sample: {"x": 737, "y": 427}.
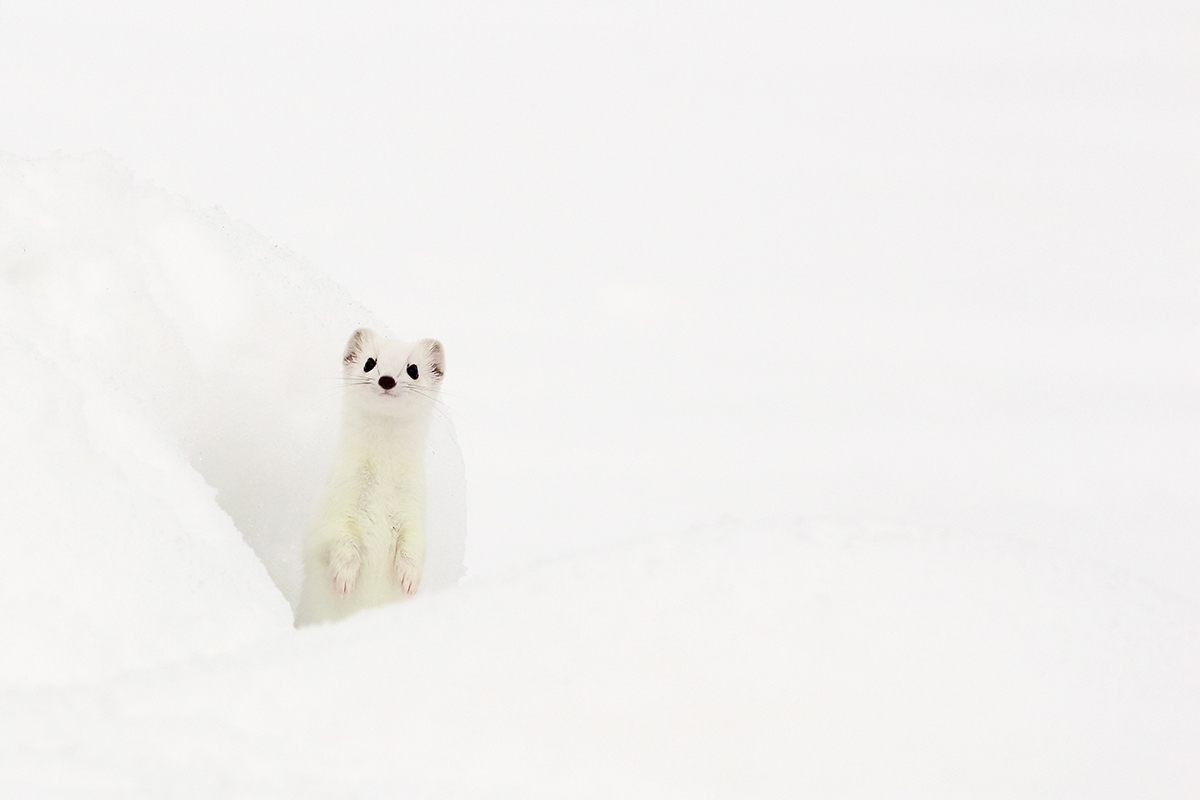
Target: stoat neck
{"x": 388, "y": 437}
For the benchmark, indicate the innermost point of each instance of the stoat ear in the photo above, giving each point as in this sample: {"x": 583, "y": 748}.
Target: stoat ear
{"x": 435, "y": 357}
{"x": 355, "y": 345}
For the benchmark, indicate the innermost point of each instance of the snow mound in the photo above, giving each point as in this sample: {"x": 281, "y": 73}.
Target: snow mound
{"x": 171, "y": 379}
{"x": 817, "y": 662}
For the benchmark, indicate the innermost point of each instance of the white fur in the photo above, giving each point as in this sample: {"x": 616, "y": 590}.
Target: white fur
{"x": 366, "y": 544}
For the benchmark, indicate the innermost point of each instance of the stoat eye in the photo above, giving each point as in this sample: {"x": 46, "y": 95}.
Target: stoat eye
{"x": 412, "y": 371}
{"x": 370, "y": 365}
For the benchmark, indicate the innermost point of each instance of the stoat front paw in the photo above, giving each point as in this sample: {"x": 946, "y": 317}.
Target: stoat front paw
{"x": 408, "y": 574}
{"x": 344, "y": 569}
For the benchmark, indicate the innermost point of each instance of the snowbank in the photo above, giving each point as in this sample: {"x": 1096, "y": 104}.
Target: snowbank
{"x": 169, "y": 383}
{"x": 152, "y": 350}
{"x": 731, "y": 663}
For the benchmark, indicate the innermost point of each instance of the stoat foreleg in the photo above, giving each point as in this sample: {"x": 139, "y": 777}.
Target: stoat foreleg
{"x": 410, "y": 556}
{"x": 345, "y": 562}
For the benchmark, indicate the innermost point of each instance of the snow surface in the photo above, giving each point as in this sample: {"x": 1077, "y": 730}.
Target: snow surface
{"x": 165, "y": 381}
{"x": 725, "y": 663}
{"x": 706, "y": 274}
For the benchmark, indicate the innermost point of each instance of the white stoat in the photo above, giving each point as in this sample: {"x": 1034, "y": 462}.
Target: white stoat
{"x": 366, "y": 546}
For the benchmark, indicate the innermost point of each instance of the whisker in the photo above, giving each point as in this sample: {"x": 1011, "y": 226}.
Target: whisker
{"x": 439, "y": 407}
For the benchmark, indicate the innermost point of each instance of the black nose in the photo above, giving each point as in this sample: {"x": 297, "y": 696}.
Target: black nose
{"x": 387, "y": 382}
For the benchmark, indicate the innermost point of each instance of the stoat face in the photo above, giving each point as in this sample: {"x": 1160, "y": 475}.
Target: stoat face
{"x": 392, "y": 378}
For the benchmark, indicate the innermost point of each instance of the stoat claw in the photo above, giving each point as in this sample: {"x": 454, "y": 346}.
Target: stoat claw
{"x": 408, "y": 575}
{"x": 345, "y": 573}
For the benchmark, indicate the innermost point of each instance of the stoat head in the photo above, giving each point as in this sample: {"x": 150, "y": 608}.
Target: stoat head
{"x": 392, "y": 378}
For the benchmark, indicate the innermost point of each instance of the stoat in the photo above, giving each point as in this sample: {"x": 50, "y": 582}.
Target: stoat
{"x": 365, "y": 546}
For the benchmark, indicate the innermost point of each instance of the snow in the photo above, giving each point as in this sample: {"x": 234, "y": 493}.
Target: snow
{"x": 825, "y": 376}
{"x": 727, "y": 662}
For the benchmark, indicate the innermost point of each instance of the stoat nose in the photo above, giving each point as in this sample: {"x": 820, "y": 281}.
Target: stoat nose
{"x": 387, "y": 382}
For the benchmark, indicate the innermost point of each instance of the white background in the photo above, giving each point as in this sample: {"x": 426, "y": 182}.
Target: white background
{"x": 929, "y": 264}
